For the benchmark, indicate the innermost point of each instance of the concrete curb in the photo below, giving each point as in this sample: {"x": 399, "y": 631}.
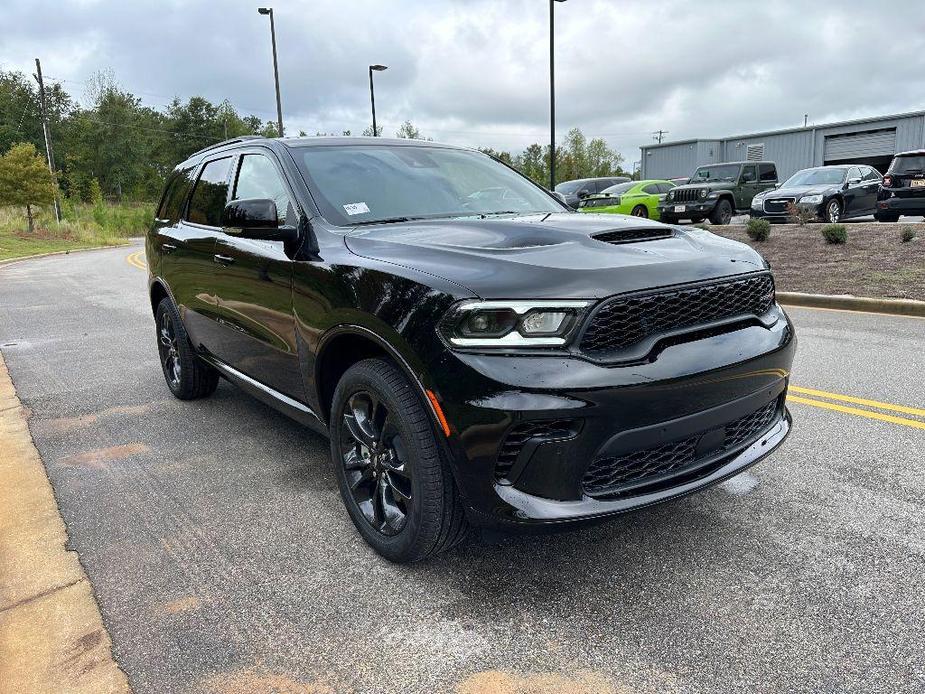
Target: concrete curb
{"x": 11, "y": 261}
{"x": 898, "y": 307}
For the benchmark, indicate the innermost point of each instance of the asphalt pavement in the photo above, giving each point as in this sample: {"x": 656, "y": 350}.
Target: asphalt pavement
{"x": 223, "y": 560}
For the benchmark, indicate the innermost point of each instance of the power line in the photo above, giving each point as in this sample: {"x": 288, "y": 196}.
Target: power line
{"x": 658, "y": 135}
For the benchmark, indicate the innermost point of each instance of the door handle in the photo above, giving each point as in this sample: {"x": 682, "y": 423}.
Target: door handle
{"x": 223, "y": 259}
{"x": 168, "y": 247}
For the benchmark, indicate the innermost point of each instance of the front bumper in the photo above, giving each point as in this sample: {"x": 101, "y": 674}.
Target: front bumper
{"x": 700, "y": 208}
{"x": 782, "y": 216}
{"x": 586, "y": 412}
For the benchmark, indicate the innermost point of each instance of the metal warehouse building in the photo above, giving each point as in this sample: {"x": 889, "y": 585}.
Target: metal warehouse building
{"x": 870, "y": 141}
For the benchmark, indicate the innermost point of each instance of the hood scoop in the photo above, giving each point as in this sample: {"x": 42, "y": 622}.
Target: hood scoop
{"x": 634, "y": 235}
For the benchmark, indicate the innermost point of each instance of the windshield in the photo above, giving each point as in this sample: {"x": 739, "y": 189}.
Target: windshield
{"x": 902, "y": 165}
{"x": 722, "y": 172}
{"x": 362, "y": 184}
{"x": 569, "y": 186}
{"x": 816, "y": 177}
{"x": 619, "y": 188}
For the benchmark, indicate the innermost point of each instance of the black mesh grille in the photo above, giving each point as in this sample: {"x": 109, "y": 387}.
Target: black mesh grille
{"x": 626, "y": 320}
{"x": 777, "y": 205}
{"x": 633, "y": 235}
{"x": 520, "y": 434}
{"x": 607, "y": 476}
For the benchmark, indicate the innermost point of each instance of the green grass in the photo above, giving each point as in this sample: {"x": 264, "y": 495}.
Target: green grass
{"x": 82, "y": 226}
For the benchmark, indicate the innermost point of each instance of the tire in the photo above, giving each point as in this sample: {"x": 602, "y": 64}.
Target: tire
{"x": 187, "y": 376}
{"x": 886, "y": 217}
{"x": 833, "y": 211}
{"x": 641, "y": 211}
{"x": 393, "y": 478}
{"x": 722, "y": 213}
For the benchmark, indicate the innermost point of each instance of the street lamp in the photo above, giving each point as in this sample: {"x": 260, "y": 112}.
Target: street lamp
{"x": 279, "y": 105}
{"x": 552, "y": 95}
{"x": 372, "y": 95}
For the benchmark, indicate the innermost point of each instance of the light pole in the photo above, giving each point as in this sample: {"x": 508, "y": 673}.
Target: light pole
{"x": 552, "y": 94}
{"x": 279, "y": 104}
{"x": 372, "y": 94}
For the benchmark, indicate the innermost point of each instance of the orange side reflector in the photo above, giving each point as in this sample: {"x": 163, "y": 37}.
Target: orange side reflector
{"x": 439, "y": 410}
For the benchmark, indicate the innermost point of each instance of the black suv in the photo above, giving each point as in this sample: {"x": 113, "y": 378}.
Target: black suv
{"x": 903, "y": 188}
{"x": 475, "y": 359}
{"x": 718, "y": 191}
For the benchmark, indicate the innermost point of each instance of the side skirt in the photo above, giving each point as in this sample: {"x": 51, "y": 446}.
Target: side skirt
{"x": 295, "y": 409}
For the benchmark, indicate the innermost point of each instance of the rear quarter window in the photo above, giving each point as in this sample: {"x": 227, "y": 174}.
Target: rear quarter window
{"x": 210, "y": 194}
{"x": 767, "y": 173}
{"x": 175, "y": 195}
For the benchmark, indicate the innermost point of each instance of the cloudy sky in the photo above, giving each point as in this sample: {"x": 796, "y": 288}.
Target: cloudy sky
{"x": 475, "y": 72}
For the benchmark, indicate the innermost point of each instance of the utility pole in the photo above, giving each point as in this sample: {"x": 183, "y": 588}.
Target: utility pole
{"x": 279, "y": 105}
{"x": 658, "y": 135}
{"x": 46, "y": 132}
{"x": 552, "y": 93}
{"x": 805, "y": 119}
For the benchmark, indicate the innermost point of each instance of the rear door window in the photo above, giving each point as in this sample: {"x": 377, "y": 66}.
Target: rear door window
{"x": 651, "y": 189}
{"x": 767, "y": 173}
{"x": 210, "y": 194}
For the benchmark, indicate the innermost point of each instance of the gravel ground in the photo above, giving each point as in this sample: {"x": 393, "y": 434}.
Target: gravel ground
{"x": 223, "y": 560}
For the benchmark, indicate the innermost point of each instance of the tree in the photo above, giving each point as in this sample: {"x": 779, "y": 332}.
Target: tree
{"x": 407, "y": 131}
{"x": 25, "y": 180}
{"x": 369, "y": 131}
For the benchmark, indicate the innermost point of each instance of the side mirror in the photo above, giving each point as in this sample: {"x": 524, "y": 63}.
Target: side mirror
{"x": 256, "y": 218}
{"x": 777, "y": 185}
{"x": 582, "y": 194}
{"x": 853, "y": 181}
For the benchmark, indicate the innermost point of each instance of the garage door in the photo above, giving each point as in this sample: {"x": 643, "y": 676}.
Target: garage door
{"x": 872, "y": 143}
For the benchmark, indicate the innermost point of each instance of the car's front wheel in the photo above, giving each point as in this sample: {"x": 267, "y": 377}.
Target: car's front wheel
{"x": 722, "y": 213}
{"x": 833, "y": 211}
{"x": 187, "y": 376}
{"x": 394, "y": 480}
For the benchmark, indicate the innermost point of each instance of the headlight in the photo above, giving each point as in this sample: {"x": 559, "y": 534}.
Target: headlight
{"x": 758, "y": 203}
{"x": 501, "y": 324}
{"x": 703, "y": 193}
{"x": 811, "y": 199}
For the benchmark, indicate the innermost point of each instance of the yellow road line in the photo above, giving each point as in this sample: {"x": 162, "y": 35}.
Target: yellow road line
{"x": 855, "y": 411}
{"x": 859, "y": 401}
{"x": 136, "y": 260}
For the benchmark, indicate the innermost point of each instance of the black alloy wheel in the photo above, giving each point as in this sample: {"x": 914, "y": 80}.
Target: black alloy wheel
{"x": 375, "y": 462}
{"x": 187, "y": 376}
{"x": 394, "y": 478}
{"x": 167, "y": 348}
{"x": 722, "y": 214}
{"x": 641, "y": 211}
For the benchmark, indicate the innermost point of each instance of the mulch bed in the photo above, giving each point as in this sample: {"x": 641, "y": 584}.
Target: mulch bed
{"x": 873, "y": 263}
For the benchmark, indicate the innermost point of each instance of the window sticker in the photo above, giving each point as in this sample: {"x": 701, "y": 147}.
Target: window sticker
{"x": 353, "y": 208}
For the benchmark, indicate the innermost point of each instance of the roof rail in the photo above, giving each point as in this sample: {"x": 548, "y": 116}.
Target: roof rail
{"x": 242, "y": 138}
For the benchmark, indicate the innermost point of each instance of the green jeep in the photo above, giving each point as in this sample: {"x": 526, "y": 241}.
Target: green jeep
{"x": 718, "y": 191}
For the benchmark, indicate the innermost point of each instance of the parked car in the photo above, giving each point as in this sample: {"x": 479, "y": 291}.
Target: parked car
{"x": 579, "y": 189}
{"x": 830, "y": 192}
{"x": 474, "y": 363}
{"x": 903, "y": 188}
{"x": 718, "y": 191}
{"x": 636, "y": 198}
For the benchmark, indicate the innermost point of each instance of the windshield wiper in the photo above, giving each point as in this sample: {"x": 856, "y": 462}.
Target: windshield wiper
{"x": 387, "y": 220}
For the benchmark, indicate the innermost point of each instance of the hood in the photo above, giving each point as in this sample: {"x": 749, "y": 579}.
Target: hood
{"x": 554, "y": 256}
{"x": 797, "y": 191}
{"x": 712, "y": 185}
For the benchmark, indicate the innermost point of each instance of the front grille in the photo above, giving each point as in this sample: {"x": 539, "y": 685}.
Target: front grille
{"x": 517, "y": 437}
{"x": 685, "y": 195}
{"x": 777, "y": 205}
{"x": 624, "y": 321}
{"x": 607, "y": 477}
{"x": 633, "y": 235}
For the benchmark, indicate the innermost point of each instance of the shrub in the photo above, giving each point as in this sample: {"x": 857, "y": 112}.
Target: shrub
{"x": 835, "y": 233}
{"x": 758, "y": 229}
{"x": 907, "y": 234}
{"x": 797, "y": 214}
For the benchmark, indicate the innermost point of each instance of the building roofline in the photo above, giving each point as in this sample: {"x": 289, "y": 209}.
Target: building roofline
{"x": 784, "y": 131}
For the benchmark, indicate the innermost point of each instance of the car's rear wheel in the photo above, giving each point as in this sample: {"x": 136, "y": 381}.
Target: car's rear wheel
{"x": 187, "y": 376}
{"x": 722, "y": 213}
{"x": 833, "y": 211}
{"x": 393, "y": 478}
{"x": 641, "y": 211}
